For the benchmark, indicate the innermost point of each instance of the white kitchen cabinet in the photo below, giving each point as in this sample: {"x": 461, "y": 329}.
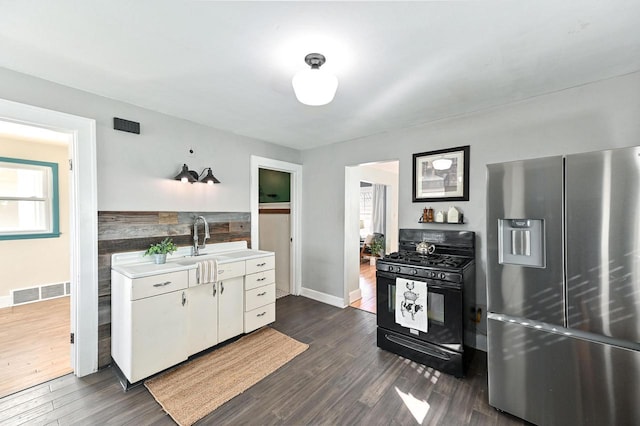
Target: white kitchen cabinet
{"x": 202, "y": 321}
{"x": 231, "y": 270}
{"x": 148, "y": 323}
{"x": 260, "y": 296}
{"x": 259, "y": 317}
{"x": 260, "y": 279}
{"x": 230, "y": 308}
{"x": 260, "y": 264}
{"x": 260, "y": 293}
{"x": 160, "y": 315}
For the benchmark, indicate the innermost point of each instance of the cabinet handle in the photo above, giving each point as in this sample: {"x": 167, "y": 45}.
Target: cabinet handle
{"x": 261, "y": 279}
{"x": 184, "y": 298}
{"x": 262, "y": 294}
{"x": 162, "y": 284}
{"x": 221, "y": 288}
{"x": 261, "y": 264}
{"x": 221, "y": 271}
{"x": 262, "y": 314}
{"x": 214, "y": 290}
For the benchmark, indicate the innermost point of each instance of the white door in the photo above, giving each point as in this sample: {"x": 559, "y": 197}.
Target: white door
{"x": 230, "y": 308}
{"x": 158, "y": 333}
{"x": 202, "y": 305}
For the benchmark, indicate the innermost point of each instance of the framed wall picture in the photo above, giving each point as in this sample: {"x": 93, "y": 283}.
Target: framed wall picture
{"x": 441, "y": 175}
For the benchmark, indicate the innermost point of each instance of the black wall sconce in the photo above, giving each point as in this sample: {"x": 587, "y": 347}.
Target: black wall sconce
{"x": 191, "y": 176}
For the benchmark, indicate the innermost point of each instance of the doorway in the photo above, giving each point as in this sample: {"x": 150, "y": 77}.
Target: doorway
{"x": 368, "y": 187}
{"x": 292, "y": 216}
{"x": 83, "y": 223}
{"x": 35, "y": 312}
{"x": 274, "y": 196}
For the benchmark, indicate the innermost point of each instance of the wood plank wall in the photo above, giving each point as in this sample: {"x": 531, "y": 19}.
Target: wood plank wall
{"x": 133, "y": 231}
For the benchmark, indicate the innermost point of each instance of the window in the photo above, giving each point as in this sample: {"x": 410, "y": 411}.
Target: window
{"x": 28, "y": 199}
{"x": 366, "y": 208}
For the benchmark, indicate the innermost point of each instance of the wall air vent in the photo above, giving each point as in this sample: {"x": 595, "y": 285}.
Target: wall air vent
{"x": 42, "y": 292}
{"x": 26, "y": 295}
{"x": 126, "y": 125}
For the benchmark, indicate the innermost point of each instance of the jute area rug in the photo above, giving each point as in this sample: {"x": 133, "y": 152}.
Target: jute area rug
{"x": 195, "y": 389}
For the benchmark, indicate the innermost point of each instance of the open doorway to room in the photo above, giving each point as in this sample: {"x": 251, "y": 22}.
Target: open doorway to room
{"x": 82, "y": 227}
{"x": 275, "y": 218}
{"x": 373, "y": 188}
{"x": 274, "y": 193}
{"x": 35, "y": 308}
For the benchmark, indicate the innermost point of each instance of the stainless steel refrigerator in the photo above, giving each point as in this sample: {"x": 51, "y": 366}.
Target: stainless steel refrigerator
{"x": 563, "y": 287}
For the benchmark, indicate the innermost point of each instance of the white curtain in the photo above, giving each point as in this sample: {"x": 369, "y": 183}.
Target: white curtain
{"x": 378, "y": 209}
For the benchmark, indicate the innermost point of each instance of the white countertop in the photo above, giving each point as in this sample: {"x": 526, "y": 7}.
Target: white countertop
{"x": 136, "y": 265}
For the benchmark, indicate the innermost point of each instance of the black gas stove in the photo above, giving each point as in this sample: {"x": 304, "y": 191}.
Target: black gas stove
{"x": 445, "y": 271}
{"x": 443, "y": 267}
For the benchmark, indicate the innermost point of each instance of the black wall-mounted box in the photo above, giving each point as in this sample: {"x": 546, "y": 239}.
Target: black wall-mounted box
{"x": 126, "y": 125}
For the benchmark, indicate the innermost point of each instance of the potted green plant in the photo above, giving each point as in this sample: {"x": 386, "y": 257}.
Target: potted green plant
{"x": 377, "y": 247}
{"x": 160, "y": 250}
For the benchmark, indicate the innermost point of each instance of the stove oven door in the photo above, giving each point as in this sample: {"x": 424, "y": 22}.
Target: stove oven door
{"x": 444, "y": 301}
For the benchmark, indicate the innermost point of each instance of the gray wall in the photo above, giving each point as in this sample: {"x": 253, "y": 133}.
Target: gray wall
{"x": 601, "y": 115}
{"x": 134, "y": 170}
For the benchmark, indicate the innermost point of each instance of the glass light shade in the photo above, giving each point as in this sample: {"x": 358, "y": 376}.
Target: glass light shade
{"x": 442, "y": 163}
{"x": 315, "y": 86}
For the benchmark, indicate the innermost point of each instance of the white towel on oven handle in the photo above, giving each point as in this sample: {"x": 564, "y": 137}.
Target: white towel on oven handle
{"x": 411, "y": 304}
{"x": 207, "y": 271}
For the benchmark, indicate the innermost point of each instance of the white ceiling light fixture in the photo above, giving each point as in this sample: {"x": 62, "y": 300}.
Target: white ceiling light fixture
{"x": 314, "y": 86}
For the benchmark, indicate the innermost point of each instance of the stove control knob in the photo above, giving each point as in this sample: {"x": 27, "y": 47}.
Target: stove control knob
{"x": 442, "y": 275}
{"x": 390, "y": 268}
{"x": 414, "y": 271}
{"x": 433, "y": 275}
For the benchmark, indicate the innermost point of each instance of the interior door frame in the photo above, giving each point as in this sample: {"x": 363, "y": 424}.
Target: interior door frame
{"x": 83, "y": 223}
{"x": 257, "y": 163}
{"x": 352, "y": 177}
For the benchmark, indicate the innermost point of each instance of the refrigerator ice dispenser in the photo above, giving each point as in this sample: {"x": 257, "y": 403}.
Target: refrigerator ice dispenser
{"x": 521, "y": 242}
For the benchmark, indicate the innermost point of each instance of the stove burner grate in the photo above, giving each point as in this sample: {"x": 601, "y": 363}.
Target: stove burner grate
{"x": 429, "y": 260}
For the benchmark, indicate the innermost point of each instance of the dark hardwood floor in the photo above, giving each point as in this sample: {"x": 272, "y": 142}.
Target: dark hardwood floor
{"x": 343, "y": 378}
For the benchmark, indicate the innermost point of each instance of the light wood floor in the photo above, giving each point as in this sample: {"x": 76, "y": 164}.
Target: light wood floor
{"x": 343, "y": 378}
{"x": 368, "y": 288}
{"x": 34, "y": 344}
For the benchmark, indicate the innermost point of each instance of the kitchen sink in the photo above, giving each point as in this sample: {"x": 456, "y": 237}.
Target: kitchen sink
{"x": 190, "y": 260}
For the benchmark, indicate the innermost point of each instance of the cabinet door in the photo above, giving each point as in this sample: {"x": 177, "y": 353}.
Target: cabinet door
{"x": 230, "y": 308}
{"x": 158, "y": 334}
{"x": 202, "y": 321}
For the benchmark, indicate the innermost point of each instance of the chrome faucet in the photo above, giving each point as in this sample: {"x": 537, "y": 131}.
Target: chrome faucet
{"x": 195, "y": 250}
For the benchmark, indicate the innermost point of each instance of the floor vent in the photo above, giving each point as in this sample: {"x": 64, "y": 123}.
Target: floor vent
{"x": 43, "y": 292}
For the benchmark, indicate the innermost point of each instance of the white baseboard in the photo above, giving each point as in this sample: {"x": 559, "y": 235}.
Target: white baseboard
{"x": 355, "y": 295}
{"x": 5, "y": 301}
{"x": 323, "y": 297}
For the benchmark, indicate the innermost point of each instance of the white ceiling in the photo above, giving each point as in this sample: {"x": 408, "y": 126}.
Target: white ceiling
{"x": 28, "y": 133}
{"x": 229, "y": 65}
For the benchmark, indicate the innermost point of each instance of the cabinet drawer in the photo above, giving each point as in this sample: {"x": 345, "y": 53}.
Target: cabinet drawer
{"x": 259, "y": 317}
{"x": 259, "y": 297}
{"x": 261, "y": 264}
{"x": 158, "y": 284}
{"x": 259, "y": 279}
{"x": 230, "y": 270}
